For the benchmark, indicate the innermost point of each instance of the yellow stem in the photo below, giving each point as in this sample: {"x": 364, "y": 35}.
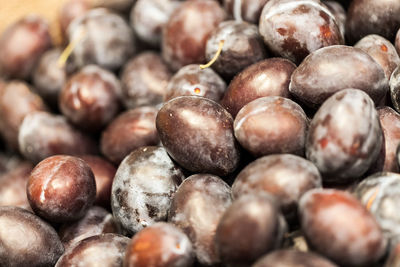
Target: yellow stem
{"x": 62, "y": 60}
{"x": 221, "y": 45}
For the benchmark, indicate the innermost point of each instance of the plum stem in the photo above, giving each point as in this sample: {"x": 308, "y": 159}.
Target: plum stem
{"x": 62, "y": 60}
{"x": 220, "y": 46}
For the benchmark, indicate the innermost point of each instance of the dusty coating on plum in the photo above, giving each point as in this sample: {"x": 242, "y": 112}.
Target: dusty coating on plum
{"x": 27, "y": 240}
{"x": 293, "y": 29}
{"x": 143, "y": 187}
{"x": 197, "y": 208}
{"x": 395, "y": 88}
{"x": 191, "y": 80}
{"x": 331, "y": 69}
{"x": 107, "y": 50}
{"x": 345, "y": 136}
{"x": 286, "y": 177}
{"x": 248, "y": 10}
{"x": 359, "y": 242}
{"x": 379, "y": 193}
{"x": 205, "y": 142}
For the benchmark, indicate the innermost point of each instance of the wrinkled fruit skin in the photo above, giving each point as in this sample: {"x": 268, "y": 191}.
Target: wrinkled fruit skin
{"x": 339, "y": 227}
{"x": 345, "y": 136}
{"x": 143, "y": 188}
{"x": 197, "y": 133}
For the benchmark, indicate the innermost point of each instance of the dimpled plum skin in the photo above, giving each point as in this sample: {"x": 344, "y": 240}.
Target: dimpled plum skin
{"x": 285, "y": 26}
{"x": 90, "y": 98}
{"x": 186, "y": 32}
{"x": 331, "y": 69}
{"x": 242, "y": 47}
{"x": 105, "y": 250}
{"x": 249, "y": 228}
{"x": 339, "y": 227}
{"x": 269, "y": 77}
{"x": 191, "y": 80}
{"x": 379, "y": 193}
{"x": 21, "y": 46}
{"x": 345, "y": 136}
{"x": 197, "y": 133}
{"x": 286, "y": 177}
{"x": 196, "y": 208}
{"x": 61, "y": 188}
{"x": 159, "y": 245}
{"x": 144, "y": 80}
{"x": 293, "y": 258}
{"x": 27, "y": 240}
{"x": 143, "y": 188}
{"x": 43, "y": 134}
{"x": 271, "y": 125}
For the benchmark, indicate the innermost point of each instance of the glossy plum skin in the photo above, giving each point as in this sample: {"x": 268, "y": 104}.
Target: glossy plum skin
{"x": 286, "y": 177}
{"x": 292, "y": 40}
{"x": 100, "y": 250}
{"x": 390, "y": 123}
{"x": 293, "y": 258}
{"x": 21, "y": 46}
{"x": 372, "y": 17}
{"x": 345, "y": 136}
{"x": 95, "y": 222}
{"x": 191, "y": 80}
{"x": 130, "y": 130}
{"x": 334, "y": 68}
{"x": 250, "y": 10}
{"x": 395, "y": 88}
{"x": 90, "y": 98}
{"x": 249, "y": 228}
{"x": 143, "y": 188}
{"x": 379, "y": 193}
{"x": 104, "y": 173}
{"x": 382, "y": 51}
{"x": 48, "y": 77}
{"x": 43, "y": 134}
{"x": 338, "y": 226}
{"x": 202, "y": 196}
{"x": 13, "y": 186}
{"x": 61, "y": 188}
{"x": 271, "y": 125}
{"x": 269, "y": 77}
{"x": 144, "y": 80}
{"x": 116, "y": 43}
{"x": 16, "y": 101}
{"x": 148, "y": 17}
{"x": 27, "y": 240}
{"x": 186, "y": 32}
{"x": 243, "y": 46}
{"x": 197, "y": 133}
{"x": 159, "y": 245}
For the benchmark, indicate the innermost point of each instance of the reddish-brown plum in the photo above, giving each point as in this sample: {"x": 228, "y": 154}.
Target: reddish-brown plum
{"x": 247, "y": 10}
{"x": 143, "y": 188}
{"x": 130, "y": 130}
{"x": 191, "y": 80}
{"x": 90, "y": 98}
{"x": 159, "y": 245}
{"x": 61, "y": 188}
{"x": 44, "y": 134}
{"x": 339, "y": 12}
{"x": 27, "y": 240}
{"x": 270, "y": 77}
{"x": 144, "y": 80}
{"x": 338, "y": 226}
{"x": 394, "y": 257}
{"x": 394, "y": 84}
{"x": 242, "y": 47}
{"x": 293, "y": 258}
{"x": 197, "y": 133}
{"x": 196, "y": 208}
{"x": 70, "y": 11}
{"x": 345, "y": 136}
{"x": 21, "y": 46}
{"x": 271, "y": 125}
{"x": 285, "y": 177}
{"x": 186, "y": 32}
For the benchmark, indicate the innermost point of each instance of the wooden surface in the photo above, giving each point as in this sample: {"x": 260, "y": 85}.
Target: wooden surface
{"x": 12, "y": 10}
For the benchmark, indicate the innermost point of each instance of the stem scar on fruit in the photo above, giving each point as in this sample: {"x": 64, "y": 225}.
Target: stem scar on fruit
{"x": 220, "y": 46}
{"x": 62, "y": 60}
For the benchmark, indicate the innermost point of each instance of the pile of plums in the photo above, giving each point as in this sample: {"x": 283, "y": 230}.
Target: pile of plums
{"x": 167, "y": 133}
